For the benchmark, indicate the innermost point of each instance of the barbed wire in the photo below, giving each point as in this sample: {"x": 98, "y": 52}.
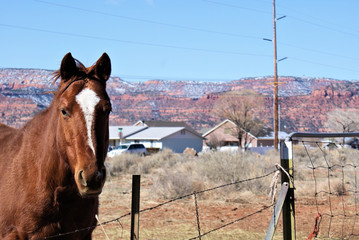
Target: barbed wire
{"x": 235, "y": 221}
{"x": 60, "y": 235}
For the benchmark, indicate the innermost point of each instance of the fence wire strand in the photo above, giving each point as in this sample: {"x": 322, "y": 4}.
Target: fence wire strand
{"x": 59, "y": 236}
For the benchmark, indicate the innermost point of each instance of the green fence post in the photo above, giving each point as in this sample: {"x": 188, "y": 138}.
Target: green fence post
{"x": 288, "y": 214}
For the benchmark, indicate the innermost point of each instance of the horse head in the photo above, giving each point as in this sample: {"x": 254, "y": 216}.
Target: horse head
{"x": 82, "y": 108}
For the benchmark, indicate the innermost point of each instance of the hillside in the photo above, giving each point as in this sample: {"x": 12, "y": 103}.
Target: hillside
{"x": 304, "y": 102}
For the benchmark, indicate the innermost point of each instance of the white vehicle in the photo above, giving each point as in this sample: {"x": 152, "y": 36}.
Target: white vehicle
{"x": 128, "y": 148}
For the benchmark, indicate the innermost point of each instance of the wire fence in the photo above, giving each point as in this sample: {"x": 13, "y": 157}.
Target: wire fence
{"x": 326, "y": 175}
{"x": 196, "y": 213}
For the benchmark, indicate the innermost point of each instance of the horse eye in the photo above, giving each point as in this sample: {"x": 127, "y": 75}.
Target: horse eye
{"x": 64, "y": 112}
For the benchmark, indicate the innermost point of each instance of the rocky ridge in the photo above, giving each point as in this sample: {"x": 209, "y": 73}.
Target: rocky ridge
{"x": 304, "y": 102}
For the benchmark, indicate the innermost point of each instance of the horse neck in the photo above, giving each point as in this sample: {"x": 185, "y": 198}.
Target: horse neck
{"x": 41, "y": 128}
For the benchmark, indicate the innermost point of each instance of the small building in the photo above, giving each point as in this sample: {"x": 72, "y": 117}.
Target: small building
{"x": 157, "y": 135}
{"x": 223, "y": 136}
{"x": 118, "y": 134}
{"x": 175, "y": 138}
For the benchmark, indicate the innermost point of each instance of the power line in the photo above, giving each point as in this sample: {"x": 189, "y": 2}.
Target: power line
{"x": 208, "y": 30}
{"x": 149, "y": 21}
{"x": 159, "y": 45}
{"x": 325, "y": 65}
{"x": 132, "y": 42}
{"x": 295, "y": 18}
{"x": 186, "y": 28}
{"x": 308, "y": 15}
{"x": 318, "y": 51}
{"x": 323, "y": 26}
{"x": 236, "y": 6}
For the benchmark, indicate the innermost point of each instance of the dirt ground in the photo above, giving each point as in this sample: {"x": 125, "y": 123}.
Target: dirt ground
{"x": 178, "y": 219}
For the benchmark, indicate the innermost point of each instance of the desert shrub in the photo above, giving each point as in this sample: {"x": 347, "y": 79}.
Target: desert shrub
{"x": 178, "y": 180}
{"x": 181, "y": 175}
{"x": 161, "y": 160}
{"x": 173, "y": 184}
{"x": 322, "y": 159}
{"x": 124, "y": 163}
{"x": 134, "y": 164}
{"x": 339, "y": 189}
{"x": 165, "y": 158}
{"x": 175, "y": 175}
{"x": 303, "y": 157}
{"x": 226, "y": 167}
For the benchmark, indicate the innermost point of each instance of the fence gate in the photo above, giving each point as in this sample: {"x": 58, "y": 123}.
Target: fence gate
{"x": 321, "y": 169}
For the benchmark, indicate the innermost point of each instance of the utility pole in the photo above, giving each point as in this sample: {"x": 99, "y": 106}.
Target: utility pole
{"x": 275, "y": 80}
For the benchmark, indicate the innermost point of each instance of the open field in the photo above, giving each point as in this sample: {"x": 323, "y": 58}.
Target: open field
{"x": 168, "y": 176}
{"x": 177, "y": 220}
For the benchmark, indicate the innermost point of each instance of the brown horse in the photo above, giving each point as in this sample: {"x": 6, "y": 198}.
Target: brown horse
{"x": 52, "y": 170}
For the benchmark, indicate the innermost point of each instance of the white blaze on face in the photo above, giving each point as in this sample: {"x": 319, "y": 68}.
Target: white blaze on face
{"x": 87, "y": 99}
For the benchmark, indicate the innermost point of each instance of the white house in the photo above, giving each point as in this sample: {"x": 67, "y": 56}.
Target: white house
{"x": 117, "y": 134}
{"x": 175, "y": 138}
{"x": 224, "y": 136}
{"x": 157, "y": 135}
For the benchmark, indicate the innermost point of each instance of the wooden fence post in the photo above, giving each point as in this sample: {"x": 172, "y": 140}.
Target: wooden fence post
{"x": 288, "y": 213}
{"x": 135, "y": 207}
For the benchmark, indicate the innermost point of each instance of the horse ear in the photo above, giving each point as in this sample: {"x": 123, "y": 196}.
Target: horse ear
{"x": 103, "y": 67}
{"x": 68, "y": 67}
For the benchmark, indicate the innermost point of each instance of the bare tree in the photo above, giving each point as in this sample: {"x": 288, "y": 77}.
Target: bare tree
{"x": 213, "y": 142}
{"x": 340, "y": 120}
{"x": 242, "y": 107}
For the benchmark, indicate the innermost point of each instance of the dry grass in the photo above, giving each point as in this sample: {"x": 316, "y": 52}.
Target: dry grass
{"x": 177, "y": 174}
{"x": 167, "y": 175}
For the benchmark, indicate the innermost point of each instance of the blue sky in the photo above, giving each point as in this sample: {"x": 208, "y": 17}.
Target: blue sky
{"x": 201, "y": 40}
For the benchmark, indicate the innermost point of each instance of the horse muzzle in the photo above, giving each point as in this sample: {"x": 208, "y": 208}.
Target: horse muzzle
{"x": 90, "y": 185}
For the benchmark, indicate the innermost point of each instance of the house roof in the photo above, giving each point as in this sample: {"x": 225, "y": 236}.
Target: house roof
{"x": 126, "y": 131}
{"x": 220, "y": 125}
{"x": 155, "y": 123}
{"x": 155, "y": 133}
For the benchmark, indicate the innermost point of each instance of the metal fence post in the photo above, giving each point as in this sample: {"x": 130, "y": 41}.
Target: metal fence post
{"x": 135, "y": 208}
{"x": 288, "y": 214}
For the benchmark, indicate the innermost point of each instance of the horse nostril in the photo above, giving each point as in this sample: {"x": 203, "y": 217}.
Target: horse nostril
{"x": 82, "y": 178}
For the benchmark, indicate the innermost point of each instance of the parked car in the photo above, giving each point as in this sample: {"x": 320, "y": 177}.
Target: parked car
{"x": 136, "y": 148}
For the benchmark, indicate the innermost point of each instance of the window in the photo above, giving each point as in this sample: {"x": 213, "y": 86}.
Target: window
{"x": 183, "y": 132}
